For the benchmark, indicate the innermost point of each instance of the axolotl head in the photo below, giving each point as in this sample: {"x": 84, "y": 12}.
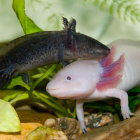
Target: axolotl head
{"x": 75, "y": 81}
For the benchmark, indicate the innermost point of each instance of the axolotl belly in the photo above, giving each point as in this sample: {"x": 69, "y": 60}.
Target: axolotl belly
{"x": 90, "y": 80}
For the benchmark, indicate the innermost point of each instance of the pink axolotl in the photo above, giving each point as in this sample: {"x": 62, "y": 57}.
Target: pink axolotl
{"x": 91, "y": 80}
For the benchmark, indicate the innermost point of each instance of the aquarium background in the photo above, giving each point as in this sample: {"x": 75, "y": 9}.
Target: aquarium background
{"x": 94, "y": 18}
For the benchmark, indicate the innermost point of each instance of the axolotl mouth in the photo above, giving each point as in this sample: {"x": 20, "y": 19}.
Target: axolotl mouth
{"x": 57, "y": 92}
{"x": 56, "y": 89}
{"x": 64, "y": 93}
{"x": 52, "y": 91}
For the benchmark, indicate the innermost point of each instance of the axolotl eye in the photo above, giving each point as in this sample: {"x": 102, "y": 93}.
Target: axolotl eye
{"x": 68, "y": 78}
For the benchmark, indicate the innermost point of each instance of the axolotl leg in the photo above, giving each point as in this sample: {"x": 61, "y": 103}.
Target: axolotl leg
{"x": 80, "y": 114}
{"x": 100, "y": 95}
{"x": 122, "y": 95}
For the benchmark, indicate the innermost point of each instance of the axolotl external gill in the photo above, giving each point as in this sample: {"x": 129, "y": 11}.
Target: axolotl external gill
{"x": 91, "y": 80}
{"x": 39, "y": 49}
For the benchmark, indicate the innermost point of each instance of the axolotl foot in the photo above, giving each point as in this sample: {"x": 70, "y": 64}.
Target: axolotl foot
{"x": 126, "y": 113}
{"x": 84, "y": 130}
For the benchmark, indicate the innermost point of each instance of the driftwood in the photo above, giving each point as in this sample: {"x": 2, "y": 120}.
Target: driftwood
{"x": 126, "y": 130}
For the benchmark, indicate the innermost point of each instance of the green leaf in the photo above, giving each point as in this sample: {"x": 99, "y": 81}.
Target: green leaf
{"x": 27, "y": 24}
{"x": 57, "y": 108}
{"x": 135, "y": 90}
{"x": 45, "y": 75}
{"x": 18, "y": 82}
{"x": 11, "y": 95}
{"x": 124, "y": 9}
{"x": 16, "y": 95}
{"x": 36, "y": 76}
{"x": 134, "y": 103}
{"x": 9, "y": 121}
{"x": 23, "y": 96}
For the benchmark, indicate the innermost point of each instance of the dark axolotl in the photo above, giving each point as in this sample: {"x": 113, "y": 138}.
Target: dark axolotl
{"x": 39, "y": 49}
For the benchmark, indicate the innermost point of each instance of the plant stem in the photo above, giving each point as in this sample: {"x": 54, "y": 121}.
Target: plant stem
{"x": 52, "y": 105}
{"x": 74, "y": 113}
{"x": 68, "y": 109}
{"x": 47, "y": 73}
{"x": 20, "y": 97}
{"x": 52, "y": 100}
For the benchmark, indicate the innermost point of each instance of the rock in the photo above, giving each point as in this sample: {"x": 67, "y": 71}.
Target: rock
{"x": 46, "y": 133}
{"x": 50, "y": 122}
{"x": 26, "y": 128}
{"x": 95, "y": 120}
{"x": 126, "y": 130}
{"x": 70, "y": 127}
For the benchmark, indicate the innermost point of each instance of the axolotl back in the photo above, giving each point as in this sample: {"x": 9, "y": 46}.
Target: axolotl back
{"x": 90, "y": 80}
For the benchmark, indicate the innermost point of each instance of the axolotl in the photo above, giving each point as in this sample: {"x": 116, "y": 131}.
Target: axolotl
{"x": 91, "y": 80}
{"x": 39, "y": 49}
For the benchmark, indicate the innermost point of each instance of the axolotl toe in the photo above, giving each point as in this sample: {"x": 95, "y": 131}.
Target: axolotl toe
{"x": 91, "y": 80}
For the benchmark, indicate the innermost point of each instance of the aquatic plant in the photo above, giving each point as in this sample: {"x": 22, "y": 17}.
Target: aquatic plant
{"x": 128, "y": 10}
